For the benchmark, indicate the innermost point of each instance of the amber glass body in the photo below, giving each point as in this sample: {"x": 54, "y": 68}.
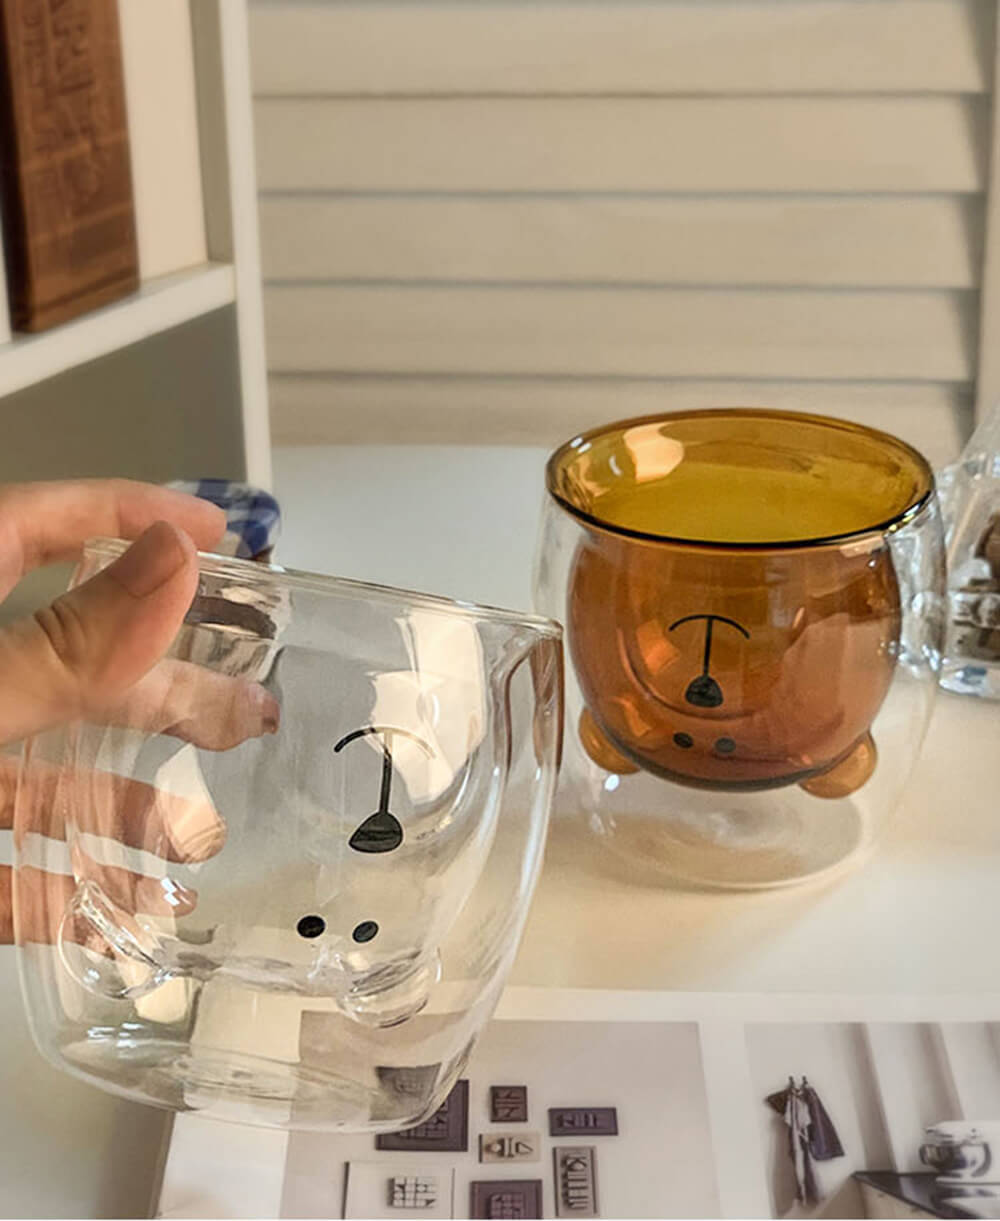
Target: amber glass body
{"x": 733, "y": 613}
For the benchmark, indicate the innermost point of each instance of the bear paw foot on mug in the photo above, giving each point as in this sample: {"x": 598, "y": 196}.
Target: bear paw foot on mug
{"x": 392, "y": 994}
{"x": 107, "y": 950}
{"x": 600, "y": 750}
{"x": 848, "y": 775}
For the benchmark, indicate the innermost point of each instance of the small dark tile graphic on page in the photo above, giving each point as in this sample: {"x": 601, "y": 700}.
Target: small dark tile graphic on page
{"x": 508, "y": 1104}
{"x": 447, "y": 1130}
{"x": 583, "y": 1121}
{"x": 506, "y": 1200}
{"x": 413, "y": 1191}
{"x": 575, "y": 1170}
{"x": 517, "y": 1146}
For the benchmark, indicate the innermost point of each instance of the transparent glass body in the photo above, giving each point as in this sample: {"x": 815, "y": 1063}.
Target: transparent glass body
{"x": 970, "y": 500}
{"x": 752, "y": 603}
{"x": 307, "y": 926}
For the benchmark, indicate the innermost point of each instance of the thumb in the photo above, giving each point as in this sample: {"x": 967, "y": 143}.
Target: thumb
{"x": 83, "y": 652}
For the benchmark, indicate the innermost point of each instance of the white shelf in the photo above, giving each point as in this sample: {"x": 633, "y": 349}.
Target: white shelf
{"x": 158, "y": 305}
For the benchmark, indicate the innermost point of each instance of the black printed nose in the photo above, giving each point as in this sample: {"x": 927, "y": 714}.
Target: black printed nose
{"x": 380, "y": 832}
{"x": 704, "y": 692}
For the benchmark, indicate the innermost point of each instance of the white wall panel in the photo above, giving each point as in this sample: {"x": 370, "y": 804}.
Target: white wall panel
{"x": 874, "y": 143}
{"x": 312, "y": 409}
{"x": 624, "y": 331}
{"x": 621, "y": 46}
{"x": 493, "y": 219}
{"x": 893, "y": 241}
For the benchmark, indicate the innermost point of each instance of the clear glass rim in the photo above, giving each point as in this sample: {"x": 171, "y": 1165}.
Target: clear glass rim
{"x": 870, "y": 532}
{"x": 255, "y": 572}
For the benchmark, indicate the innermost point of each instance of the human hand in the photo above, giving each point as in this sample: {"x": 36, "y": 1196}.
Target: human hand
{"x": 95, "y": 654}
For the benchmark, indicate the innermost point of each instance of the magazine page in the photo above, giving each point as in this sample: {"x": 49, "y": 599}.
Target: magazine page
{"x": 639, "y": 1104}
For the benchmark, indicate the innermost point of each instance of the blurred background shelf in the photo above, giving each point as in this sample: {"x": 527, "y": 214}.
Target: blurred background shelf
{"x": 171, "y": 382}
{"x": 168, "y": 383}
{"x": 160, "y": 304}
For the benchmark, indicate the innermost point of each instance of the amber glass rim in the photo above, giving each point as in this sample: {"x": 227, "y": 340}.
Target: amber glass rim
{"x": 559, "y": 456}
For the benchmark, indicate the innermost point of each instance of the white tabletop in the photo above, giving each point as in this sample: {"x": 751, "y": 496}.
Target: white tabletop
{"x": 917, "y": 918}
{"x": 910, "y": 934}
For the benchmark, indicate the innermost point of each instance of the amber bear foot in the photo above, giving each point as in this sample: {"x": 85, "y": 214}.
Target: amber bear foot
{"x": 844, "y": 778}
{"x": 847, "y": 776}
{"x": 600, "y": 749}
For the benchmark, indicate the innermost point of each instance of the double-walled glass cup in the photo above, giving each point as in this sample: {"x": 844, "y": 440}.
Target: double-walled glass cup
{"x": 284, "y": 881}
{"x": 752, "y": 603}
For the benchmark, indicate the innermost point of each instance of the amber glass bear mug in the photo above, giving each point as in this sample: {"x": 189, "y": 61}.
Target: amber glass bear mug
{"x": 752, "y": 608}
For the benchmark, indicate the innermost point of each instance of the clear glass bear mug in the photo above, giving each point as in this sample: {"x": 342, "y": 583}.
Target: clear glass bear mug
{"x": 294, "y": 904}
{"x": 753, "y": 610}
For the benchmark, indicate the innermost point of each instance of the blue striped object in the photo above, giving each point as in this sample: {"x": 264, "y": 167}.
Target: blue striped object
{"x": 253, "y": 518}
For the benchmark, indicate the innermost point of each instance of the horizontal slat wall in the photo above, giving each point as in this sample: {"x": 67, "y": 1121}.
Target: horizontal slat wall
{"x": 625, "y": 331}
{"x": 475, "y": 213}
{"x": 904, "y": 241}
{"x": 409, "y": 409}
{"x": 624, "y": 144}
{"x": 622, "y": 46}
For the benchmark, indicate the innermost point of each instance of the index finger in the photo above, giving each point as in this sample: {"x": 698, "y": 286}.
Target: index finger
{"x": 179, "y": 829}
{"x": 43, "y": 523}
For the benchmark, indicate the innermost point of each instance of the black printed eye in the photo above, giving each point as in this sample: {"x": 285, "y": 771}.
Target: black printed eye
{"x": 365, "y": 931}
{"x": 683, "y": 740}
{"x": 311, "y": 926}
{"x": 725, "y": 746}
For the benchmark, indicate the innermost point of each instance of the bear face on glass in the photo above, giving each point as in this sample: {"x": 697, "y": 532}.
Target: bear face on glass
{"x": 363, "y": 822}
{"x": 328, "y": 802}
{"x": 715, "y": 663}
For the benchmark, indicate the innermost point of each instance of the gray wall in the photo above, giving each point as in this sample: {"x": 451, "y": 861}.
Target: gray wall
{"x": 162, "y": 409}
{"x": 67, "y": 1150}
{"x": 167, "y": 408}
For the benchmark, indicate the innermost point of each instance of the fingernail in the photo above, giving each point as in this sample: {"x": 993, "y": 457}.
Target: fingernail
{"x": 151, "y": 561}
{"x": 182, "y": 899}
{"x": 196, "y": 832}
{"x": 267, "y": 708}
